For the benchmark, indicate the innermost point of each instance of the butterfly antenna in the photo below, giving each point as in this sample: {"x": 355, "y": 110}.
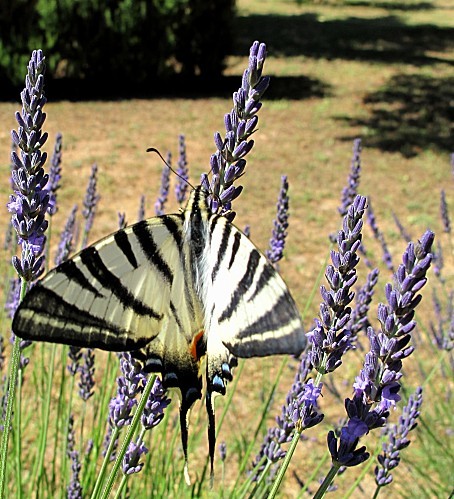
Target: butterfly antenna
{"x": 153, "y": 149}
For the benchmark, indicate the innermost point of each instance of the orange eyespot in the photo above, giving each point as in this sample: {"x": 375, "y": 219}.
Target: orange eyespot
{"x": 196, "y": 348}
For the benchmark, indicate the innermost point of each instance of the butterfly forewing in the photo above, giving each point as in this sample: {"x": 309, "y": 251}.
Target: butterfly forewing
{"x": 115, "y": 295}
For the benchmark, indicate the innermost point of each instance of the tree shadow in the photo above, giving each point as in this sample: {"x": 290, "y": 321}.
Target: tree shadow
{"x": 385, "y": 39}
{"x": 409, "y": 114}
{"x": 177, "y": 87}
{"x": 391, "y": 5}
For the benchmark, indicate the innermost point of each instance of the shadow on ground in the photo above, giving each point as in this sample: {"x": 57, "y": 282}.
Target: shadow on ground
{"x": 282, "y": 87}
{"x": 384, "y": 39}
{"x": 411, "y": 113}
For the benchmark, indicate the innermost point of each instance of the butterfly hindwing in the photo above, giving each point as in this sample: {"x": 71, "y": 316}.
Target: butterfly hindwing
{"x": 248, "y": 306}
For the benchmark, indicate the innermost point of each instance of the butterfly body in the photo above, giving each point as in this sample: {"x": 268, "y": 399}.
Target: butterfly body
{"x": 172, "y": 290}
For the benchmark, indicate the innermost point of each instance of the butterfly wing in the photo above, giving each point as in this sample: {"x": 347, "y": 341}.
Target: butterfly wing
{"x": 131, "y": 291}
{"x": 248, "y": 306}
{"x": 114, "y": 295}
{"x": 249, "y": 311}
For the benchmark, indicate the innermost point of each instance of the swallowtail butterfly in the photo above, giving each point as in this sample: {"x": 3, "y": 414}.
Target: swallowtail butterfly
{"x": 172, "y": 290}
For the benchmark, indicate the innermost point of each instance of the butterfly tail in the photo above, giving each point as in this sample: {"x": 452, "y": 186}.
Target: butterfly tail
{"x": 184, "y": 425}
{"x": 211, "y": 432}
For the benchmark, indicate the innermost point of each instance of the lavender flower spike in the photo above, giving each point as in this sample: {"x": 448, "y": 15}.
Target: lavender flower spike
{"x": 330, "y": 339}
{"x": 129, "y": 385}
{"x": 444, "y": 213}
{"x": 351, "y": 189}
{"x": 90, "y": 202}
{"x": 153, "y": 412}
{"x": 30, "y": 201}
{"x": 182, "y": 183}
{"x": 165, "y": 186}
{"x": 74, "y": 489}
{"x": 277, "y": 242}
{"x": 227, "y": 164}
{"x": 87, "y": 372}
{"x": 131, "y": 462}
{"x": 397, "y": 439}
{"x": 66, "y": 245}
{"x": 54, "y": 175}
{"x": 376, "y": 389}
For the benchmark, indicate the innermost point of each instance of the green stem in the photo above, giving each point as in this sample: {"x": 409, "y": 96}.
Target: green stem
{"x": 377, "y": 491}
{"x": 102, "y": 471}
{"x": 12, "y": 378}
{"x": 128, "y": 437}
{"x": 278, "y": 480}
{"x": 38, "y": 469}
{"x": 326, "y": 482}
{"x": 18, "y": 436}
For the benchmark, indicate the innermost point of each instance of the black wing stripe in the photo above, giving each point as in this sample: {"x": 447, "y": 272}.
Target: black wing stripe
{"x": 70, "y": 269}
{"x": 151, "y": 250}
{"x": 235, "y": 247}
{"x": 281, "y": 314}
{"x": 173, "y": 229}
{"x": 222, "y": 247}
{"x": 243, "y": 285}
{"x": 266, "y": 275}
{"x": 176, "y": 231}
{"x": 91, "y": 259}
{"x": 60, "y": 320}
{"x": 122, "y": 240}
{"x": 175, "y": 315}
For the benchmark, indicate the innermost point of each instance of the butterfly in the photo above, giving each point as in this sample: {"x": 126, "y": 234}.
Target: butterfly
{"x": 172, "y": 290}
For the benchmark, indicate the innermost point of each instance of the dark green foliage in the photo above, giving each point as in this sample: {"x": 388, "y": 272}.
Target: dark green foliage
{"x": 116, "y": 42}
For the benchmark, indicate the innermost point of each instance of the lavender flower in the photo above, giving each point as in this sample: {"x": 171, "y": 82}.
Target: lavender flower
{"x": 376, "y": 389}
{"x": 397, "y": 439}
{"x": 445, "y": 213}
{"x": 131, "y": 462}
{"x": 66, "y": 245}
{"x": 165, "y": 186}
{"x": 74, "y": 489}
{"x": 75, "y": 355}
{"x": 277, "y": 242}
{"x": 330, "y": 339}
{"x": 122, "y": 220}
{"x": 271, "y": 447}
{"x": 350, "y": 191}
{"x": 182, "y": 171}
{"x": 90, "y": 202}
{"x": 443, "y": 331}
{"x": 438, "y": 261}
{"x": 87, "y": 372}
{"x": 403, "y": 232}
{"x": 153, "y": 412}
{"x": 2, "y": 360}
{"x": 53, "y": 183}
{"x": 223, "y": 451}
{"x": 141, "y": 211}
{"x": 227, "y": 163}
{"x": 378, "y": 234}
{"x": 30, "y": 202}
{"x": 13, "y": 297}
{"x": 129, "y": 385}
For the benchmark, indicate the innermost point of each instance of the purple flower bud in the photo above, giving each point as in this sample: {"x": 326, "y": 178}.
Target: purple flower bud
{"x": 131, "y": 462}
{"x": 219, "y": 143}
{"x": 223, "y": 451}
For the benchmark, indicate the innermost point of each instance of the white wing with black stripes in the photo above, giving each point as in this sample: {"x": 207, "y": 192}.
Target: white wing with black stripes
{"x": 172, "y": 290}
